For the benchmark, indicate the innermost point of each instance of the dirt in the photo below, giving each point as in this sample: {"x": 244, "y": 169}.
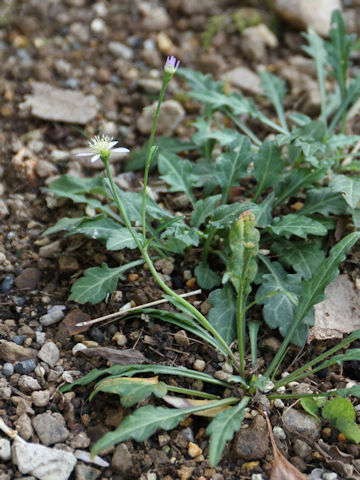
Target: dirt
{"x": 61, "y": 44}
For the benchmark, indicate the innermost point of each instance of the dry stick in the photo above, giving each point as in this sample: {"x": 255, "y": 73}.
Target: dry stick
{"x": 125, "y": 312}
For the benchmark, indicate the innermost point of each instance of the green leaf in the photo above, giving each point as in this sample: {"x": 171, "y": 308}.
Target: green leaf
{"x": 199, "y": 81}
{"x": 75, "y": 188}
{"x": 338, "y": 407}
{"x": 179, "y": 237}
{"x": 177, "y": 173}
{"x": 207, "y": 278}
{"x": 313, "y": 290}
{"x": 310, "y": 406}
{"x": 299, "y": 225}
{"x": 275, "y": 90}
{"x": 97, "y": 228}
{"x": 351, "y": 430}
{"x": 348, "y": 187}
{"x": 203, "y": 209}
{"x": 233, "y": 165}
{"x": 223, "y": 314}
{"x": 131, "y": 390}
{"x": 145, "y": 421}
{"x": 165, "y": 144}
{"x": 279, "y": 309}
{"x": 295, "y": 181}
{"x": 304, "y": 258}
{"x": 316, "y": 49}
{"x": 323, "y": 201}
{"x": 268, "y": 167}
{"x": 122, "y": 238}
{"x": 98, "y": 282}
{"x": 222, "y": 429}
{"x": 65, "y": 223}
{"x": 225, "y": 215}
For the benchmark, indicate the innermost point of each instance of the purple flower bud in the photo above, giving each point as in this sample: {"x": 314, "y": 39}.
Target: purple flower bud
{"x": 171, "y": 65}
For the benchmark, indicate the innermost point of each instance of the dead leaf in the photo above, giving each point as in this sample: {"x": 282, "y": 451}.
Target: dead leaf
{"x": 281, "y": 469}
{"x": 68, "y": 326}
{"x": 179, "y": 402}
{"x": 337, "y": 460}
{"x": 115, "y": 357}
{"x": 338, "y": 314}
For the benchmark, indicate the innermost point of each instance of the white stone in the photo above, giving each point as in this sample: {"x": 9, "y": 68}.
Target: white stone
{"x": 303, "y": 13}
{"x": 49, "y": 353}
{"x": 5, "y": 452}
{"x": 244, "y": 79}
{"x": 171, "y": 115}
{"x": 42, "y": 462}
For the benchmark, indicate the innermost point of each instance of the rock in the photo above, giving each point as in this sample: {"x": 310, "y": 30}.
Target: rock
{"x": 40, "y": 337}
{"x": 154, "y": 18}
{"x": 199, "y": 365}
{"x": 252, "y": 443}
{"x": 301, "y": 448}
{"x": 49, "y": 430}
{"x": 121, "y": 459}
{"x": 81, "y": 440}
{"x": 28, "y": 384}
{"x": 181, "y": 338}
{"x": 244, "y": 79}
{"x": 279, "y": 433}
{"x": 49, "y": 353}
{"x": 254, "y": 41}
{"x": 302, "y": 13}
{"x": 28, "y": 279}
{"x": 42, "y": 462}
{"x": 120, "y": 50}
{"x": 40, "y": 398}
{"x": 54, "y": 316}
{"x": 5, "y": 451}
{"x": 171, "y": 115}
{"x": 7, "y": 284}
{"x": 194, "y": 450}
{"x": 200, "y": 6}
{"x": 24, "y": 427}
{"x": 60, "y": 105}
{"x": 150, "y": 85}
{"x": 305, "y": 425}
{"x": 45, "y": 169}
{"x": 50, "y": 250}
{"x": 8, "y": 369}
{"x": 211, "y": 63}
{"x": 5, "y": 393}
{"x": 83, "y": 472}
{"x": 68, "y": 264}
{"x": 25, "y": 367}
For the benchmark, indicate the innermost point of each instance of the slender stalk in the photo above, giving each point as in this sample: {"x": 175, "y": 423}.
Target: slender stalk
{"x": 241, "y": 126}
{"x": 194, "y": 393}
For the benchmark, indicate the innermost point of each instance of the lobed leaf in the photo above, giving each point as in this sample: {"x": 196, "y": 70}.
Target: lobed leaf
{"x": 268, "y": 167}
{"x": 206, "y": 277}
{"x": 223, "y": 314}
{"x": 348, "y": 187}
{"x": 298, "y": 225}
{"x": 177, "y": 173}
{"x": 203, "y": 209}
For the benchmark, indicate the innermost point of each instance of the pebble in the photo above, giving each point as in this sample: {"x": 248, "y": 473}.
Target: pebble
{"x": 8, "y": 369}
{"x": 154, "y": 18}
{"x": 51, "y": 317}
{"x": 121, "y": 460}
{"x": 50, "y": 250}
{"x": 49, "y": 353}
{"x": 97, "y": 335}
{"x": 257, "y": 476}
{"x": 28, "y": 279}
{"x": 84, "y": 472}
{"x": 278, "y": 403}
{"x": 5, "y": 452}
{"x": 40, "y": 337}
{"x": 279, "y": 433}
{"x": 305, "y": 425}
{"x": 11, "y": 352}
{"x": 171, "y": 115}
{"x": 244, "y": 79}
{"x": 25, "y": 367}
{"x": 303, "y": 13}
{"x": 81, "y": 440}
{"x": 19, "y": 339}
{"x": 181, "y": 338}
{"x": 28, "y": 384}
{"x": 330, "y": 476}
{"x": 5, "y": 393}
{"x": 120, "y": 50}
{"x": 57, "y": 104}
{"x": 49, "y": 429}
{"x": 68, "y": 264}
{"x": 199, "y": 365}
{"x": 42, "y": 462}
{"x": 194, "y": 450}
{"x": 24, "y": 427}
{"x": 40, "y": 398}
{"x": 301, "y": 448}
{"x": 45, "y": 169}
{"x": 7, "y": 284}
{"x": 253, "y": 442}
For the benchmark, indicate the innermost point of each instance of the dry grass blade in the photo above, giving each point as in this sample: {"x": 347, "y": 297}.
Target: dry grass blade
{"x": 281, "y": 469}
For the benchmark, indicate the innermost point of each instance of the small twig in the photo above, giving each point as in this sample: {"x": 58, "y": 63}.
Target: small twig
{"x": 9, "y": 431}
{"x": 125, "y": 312}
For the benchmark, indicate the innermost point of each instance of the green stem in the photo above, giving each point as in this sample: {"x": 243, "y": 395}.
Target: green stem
{"x": 149, "y": 154}
{"x": 193, "y": 393}
{"x": 241, "y": 126}
{"x": 207, "y": 244}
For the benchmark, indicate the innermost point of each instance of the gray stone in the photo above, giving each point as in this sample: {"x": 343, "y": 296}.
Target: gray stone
{"x": 171, "y": 115}
{"x": 330, "y": 476}
{"x": 244, "y": 79}
{"x": 8, "y": 369}
{"x": 120, "y": 50}
{"x": 5, "y": 451}
{"x": 83, "y": 472}
{"x": 40, "y": 398}
{"x": 60, "y": 105}
{"x": 42, "y": 462}
{"x": 154, "y": 18}
{"x": 5, "y": 393}
{"x": 28, "y": 384}
{"x": 49, "y": 430}
{"x": 51, "y": 317}
{"x": 25, "y": 367}
{"x": 45, "y": 169}
{"x": 49, "y": 353}
{"x": 81, "y": 440}
{"x": 303, "y": 13}
{"x": 121, "y": 459}
{"x": 40, "y": 337}
{"x": 24, "y": 427}
{"x": 305, "y": 425}
{"x": 252, "y": 443}
{"x": 50, "y": 250}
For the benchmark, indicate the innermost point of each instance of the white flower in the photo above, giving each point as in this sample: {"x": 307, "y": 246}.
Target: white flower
{"x": 102, "y": 146}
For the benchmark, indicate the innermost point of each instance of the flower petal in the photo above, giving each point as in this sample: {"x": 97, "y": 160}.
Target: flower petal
{"x": 84, "y": 154}
{"x": 111, "y": 144}
{"x": 121, "y": 150}
{"x": 94, "y": 158}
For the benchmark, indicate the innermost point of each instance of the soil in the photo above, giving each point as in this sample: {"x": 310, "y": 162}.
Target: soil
{"x": 66, "y": 45}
